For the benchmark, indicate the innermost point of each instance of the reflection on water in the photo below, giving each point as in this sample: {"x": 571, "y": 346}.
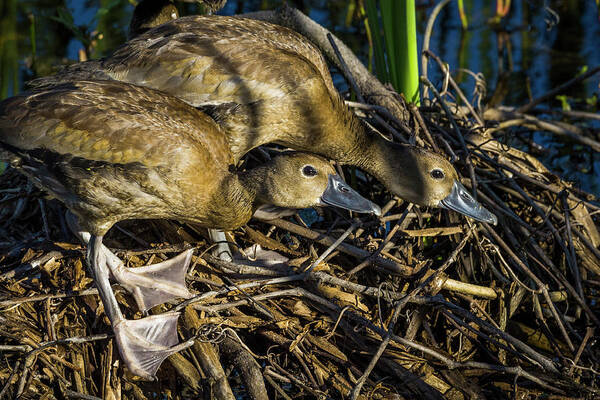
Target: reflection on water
{"x": 527, "y": 55}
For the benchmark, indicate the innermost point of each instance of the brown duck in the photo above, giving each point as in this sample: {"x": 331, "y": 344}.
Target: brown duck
{"x": 112, "y": 151}
{"x": 265, "y": 83}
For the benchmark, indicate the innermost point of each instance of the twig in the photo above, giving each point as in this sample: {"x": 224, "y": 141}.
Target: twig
{"x": 558, "y": 90}
{"x": 403, "y": 270}
{"x": 427, "y": 37}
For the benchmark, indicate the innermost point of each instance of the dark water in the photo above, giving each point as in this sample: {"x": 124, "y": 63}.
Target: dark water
{"x": 538, "y": 46}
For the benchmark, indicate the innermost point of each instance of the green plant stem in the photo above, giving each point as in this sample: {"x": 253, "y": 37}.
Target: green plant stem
{"x": 407, "y": 58}
{"x": 377, "y": 41}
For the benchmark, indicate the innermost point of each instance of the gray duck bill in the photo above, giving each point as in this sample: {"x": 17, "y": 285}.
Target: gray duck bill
{"x": 339, "y": 194}
{"x": 460, "y": 200}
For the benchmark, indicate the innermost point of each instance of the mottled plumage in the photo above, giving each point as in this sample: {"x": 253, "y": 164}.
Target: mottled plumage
{"x": 265, "y": 83}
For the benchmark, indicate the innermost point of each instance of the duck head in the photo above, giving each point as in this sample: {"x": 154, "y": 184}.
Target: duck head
{"x": 150, "y": 13}
{"x": 428, "y": 179}
{"x": 301, "y": 180}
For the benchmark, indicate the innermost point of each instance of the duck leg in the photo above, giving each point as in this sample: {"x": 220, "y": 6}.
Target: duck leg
{"x": 221, "y": 249}
{"x": 144, "y": 343}
{"x": 151, "y": 285}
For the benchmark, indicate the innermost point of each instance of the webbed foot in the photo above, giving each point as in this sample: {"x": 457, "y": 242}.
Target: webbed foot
{"x": 145, "y": 343}
{"x": 257, "y": 256}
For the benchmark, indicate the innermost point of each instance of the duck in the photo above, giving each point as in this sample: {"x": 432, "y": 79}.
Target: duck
{"x": 150, "y": 13}
{"x": 264, "y": 83}
{"x": 112, "y": 151}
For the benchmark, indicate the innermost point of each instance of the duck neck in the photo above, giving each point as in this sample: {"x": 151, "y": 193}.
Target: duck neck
{"x": 256, "y": 184}
{"x": 336, "y": 133}
{"x": 232, "y": 204}
{"x": 395, "y": 166}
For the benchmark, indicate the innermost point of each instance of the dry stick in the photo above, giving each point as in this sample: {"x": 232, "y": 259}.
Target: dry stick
{"x": 534, "y": 123}
{"x": 296, "y": 292}
{"x": 238, "y": 355}
{"x": 541, "y": 286}
{"x": 557, "y": 275}
{"x": 9, "y": 379}
{"x": 417, "y": 114}
{"x": 44, "y": 219}
{"x": 500, "y": 206}
{"x": 458, "y": 134}
{"x": 333, "y": 246}
{"x": 208, "y": 359}
{"x": 589, "y": 331}
{"x": 382, "y": 244}
{"x": 446, "y": 70}
{"x": 257, "y": 306}
{"x": 42, "y": 297}
{"x": 572, "y": 113}
{"x": 554, "y": 231}
{"x": 345, "y": 70}
{"x": 557, "y": 90}
{"x": 208, "y": 295}
{"x": 580, "y": 235}
{"x": 277, "y": 388}
{"x": 81, "y": 396}
{"x": 31, "y": 265}
{"x": 571, "y": 251}
{"x": 427, "y": 38}
{"x": 389, "y": 265}
{"x": 30, "y": 356}
{"x": 546, "y": 363}
{"x": 383, "y": 111}
{"x": 323, "y": 277}
{"x": 397, "y": 309}
{"x": 483, "y": 156}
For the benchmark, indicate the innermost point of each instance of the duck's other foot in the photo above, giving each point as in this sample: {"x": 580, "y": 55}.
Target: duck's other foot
{"x": 151, "y": 285}
{"x": 145, "y": 343}
{"x": 257, "y": 256}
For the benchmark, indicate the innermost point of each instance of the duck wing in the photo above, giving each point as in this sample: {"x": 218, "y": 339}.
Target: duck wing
{"x": 112, "y": 122}
{"x": 210, "y": 60}
{"x": 110, "y": 148}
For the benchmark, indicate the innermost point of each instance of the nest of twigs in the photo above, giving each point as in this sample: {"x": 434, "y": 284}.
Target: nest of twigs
{"x": 420, "y": 303}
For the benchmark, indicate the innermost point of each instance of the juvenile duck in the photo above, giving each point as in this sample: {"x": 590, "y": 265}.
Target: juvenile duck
{"x": 265, "y": 83}
{"x": 112, "y": 151}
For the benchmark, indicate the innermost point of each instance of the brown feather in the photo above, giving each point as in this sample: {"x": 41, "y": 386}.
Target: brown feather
{"x": 281, "y": 90}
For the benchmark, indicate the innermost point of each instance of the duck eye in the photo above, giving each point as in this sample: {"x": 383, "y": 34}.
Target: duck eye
{"x": 309, "y": 170}
{"x": 437, "y": 174}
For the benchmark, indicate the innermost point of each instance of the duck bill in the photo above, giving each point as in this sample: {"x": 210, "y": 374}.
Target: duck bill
{"x": 460, "y": 200}
{"x": 339, "y": 194}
